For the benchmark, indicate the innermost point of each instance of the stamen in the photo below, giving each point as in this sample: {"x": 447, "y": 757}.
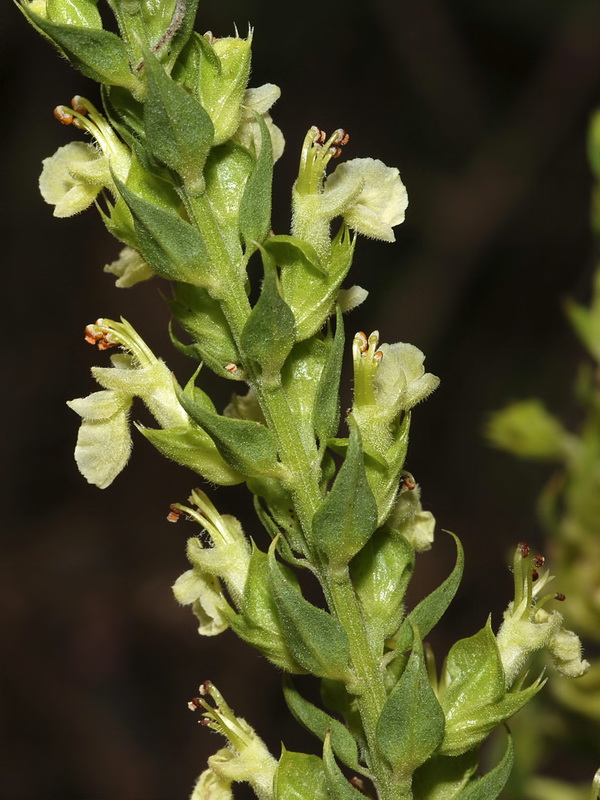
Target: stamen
{"x": 62, "y": 115}
{"x": 174, "y": 514}
{"x": 378, "y": 356}
{"x": 77, "y": 104}
{"x": 361, "y": 338}
{"x": 560, "y": 597}
{"x": 231, "y": 368}
{"x": 523, "y": 549}
{"x": 539, "y": 560}
{"x": 407, "y": 482}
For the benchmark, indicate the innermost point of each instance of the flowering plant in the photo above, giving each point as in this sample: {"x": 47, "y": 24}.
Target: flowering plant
{"x": 180, "y": 170}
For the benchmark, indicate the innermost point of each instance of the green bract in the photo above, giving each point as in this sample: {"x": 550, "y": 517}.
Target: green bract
{"x": 181, "y": 172}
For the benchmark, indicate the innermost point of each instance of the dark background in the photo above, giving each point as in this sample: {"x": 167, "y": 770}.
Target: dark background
{"x": 484, "y": 107}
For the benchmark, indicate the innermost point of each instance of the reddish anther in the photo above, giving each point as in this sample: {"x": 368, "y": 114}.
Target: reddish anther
{"x": 534, "y": 575}
{"x": 407, "y": 482}
{"x": 174, "y": 514}
{"x": 194, "y": 704}
{"x": 539, "y": 560}
{"x": 559, "y": 596}
{"x": 523, "y": 549}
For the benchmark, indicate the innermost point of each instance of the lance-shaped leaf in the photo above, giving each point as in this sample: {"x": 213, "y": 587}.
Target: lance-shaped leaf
{"x": 326, "y": 414}
{"x": 202, "y": 318}
{"x": 300, "y": 777}
{"x": 247, "y": 446}
{"x": 170, "y": 245}
{"x": 269, "y": 333}
{"x": 430, "y": 610}
{"x": 82, "y": 13}
{"x": 179, "y": 132}
{"x": 347, "y": 518}
{"x": 316, "y": 640}
{"x": 339, "y": 786}
{"x": 258, "y": 622}
{"x": 489, "y": 786}
{"x": 255, "y": 208}
{"x": 289, "y": 251}
{"x": 227, "y": 169}
{"x": 97, "y": 54}
{"x": 300, "y": 378}
{"x": 380, "y": 575}
{"x": 473, "y": 694}
{"x": 319, "y": 723}
{"x": 411, "y": 725}
{"x": 310, "y": 293}
{"x": 443, "y": 777}
{"x": 193, "y": 448}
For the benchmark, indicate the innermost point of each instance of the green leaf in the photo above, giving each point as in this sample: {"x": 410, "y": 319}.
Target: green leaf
{"x": 202, "y": 318}
{"x": 474, "y": 699}
{"x": 178, "y": 130}
{"x": 310, "y": 294}
{"x": 288, "y": 251}
{"x": 326, "y": 414}
{"x": 227, "y": 169}
{"x": 491, "y": 784}
{"x": 193, "y": 448}
{"x": 258, "y": 622}
{"x": 124, "y": 113}
{"x": 347, "y": 518}
{"x": 300, "y": 777}
{"x": 255, "y": 208}
{"x": 380, "y": 575}
{"x": 81, "y": 13}
{"x": 339, "y": 786}
{"x": 318, "y": 723}
{"x": 247, "y": 446}
{"x": 411, "y": 725}
{"x": 170, "y": 245}
{"x": 97, "y": 54}
{"x": 300, "y": 378}
{"x": 430, "y": 610}
{"x": 281, "y": 517}
{"x": 316, "y": 640}
{"x": 269, "y": 332}
{"x": 444, "y": 777}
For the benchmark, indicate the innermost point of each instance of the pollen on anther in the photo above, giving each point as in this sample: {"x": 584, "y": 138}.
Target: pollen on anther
{"x": 174, "y": 514}
{"x": 560, "y": 596}
{"x": 205, "y": 688}
{"x": 539, "y": 560}
{"x": 194, "y": 704}
{"x": 378, "y": 356}
{"x": 63, "y": 116}
{"x": 362, "y": 337}
{"x": 523, "y": 549}
{"x": 77, "y": 105}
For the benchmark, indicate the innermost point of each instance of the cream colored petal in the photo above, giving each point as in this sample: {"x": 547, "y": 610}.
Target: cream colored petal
{"x": 130, "y": 268}
{"x": 58, "y": 186}
{"x": 98, "y": 406}
{"x": 260, "y": 99}
{"x": 211, "y": 786}
{"x": 382, "y": 201}
{"x": 103, "y": 447}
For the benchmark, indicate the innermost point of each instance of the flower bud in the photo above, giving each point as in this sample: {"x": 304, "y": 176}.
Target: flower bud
{"x": 221, "y": 91}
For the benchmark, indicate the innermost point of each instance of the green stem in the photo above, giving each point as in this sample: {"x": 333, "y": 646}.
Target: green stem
{"x": 304, "y": 472}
